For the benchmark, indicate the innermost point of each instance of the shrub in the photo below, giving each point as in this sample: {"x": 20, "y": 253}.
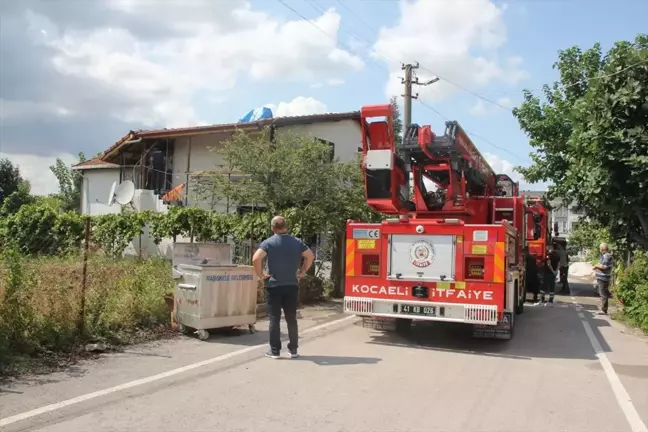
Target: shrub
{"x": 39, "y": 229}
{"x": 40, "y": 301}
{"x": 632, "y": 291}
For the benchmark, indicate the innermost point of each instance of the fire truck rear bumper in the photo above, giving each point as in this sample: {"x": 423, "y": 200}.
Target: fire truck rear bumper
{"x": 427, "y": 311}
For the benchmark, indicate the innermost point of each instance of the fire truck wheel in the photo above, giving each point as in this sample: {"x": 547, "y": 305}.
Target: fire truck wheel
{"x": 403, "y": 325}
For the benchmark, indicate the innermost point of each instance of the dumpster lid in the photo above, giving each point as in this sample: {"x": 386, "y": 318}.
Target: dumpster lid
{"x": 202, "y": 266}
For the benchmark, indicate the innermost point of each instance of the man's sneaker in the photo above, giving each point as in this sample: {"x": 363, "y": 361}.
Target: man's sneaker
{"x": 272, "y": 355}
{"x": 294, "y": 354}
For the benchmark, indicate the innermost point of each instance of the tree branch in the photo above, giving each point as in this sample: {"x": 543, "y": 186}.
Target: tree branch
{"x": 639, "y": 239}
{"x": 642, "y": 219}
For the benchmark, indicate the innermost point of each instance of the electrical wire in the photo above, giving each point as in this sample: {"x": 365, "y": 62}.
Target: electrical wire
{"x": 598, "y": 77}
{"x": 334, "y": 39}
{"x": 474, "y": 93}
{"x": 486, "y": 140}
{"x": 362, "y": 58}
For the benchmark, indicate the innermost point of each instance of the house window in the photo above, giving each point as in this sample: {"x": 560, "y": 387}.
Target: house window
{"x": 242, "y": 210}
{"x": 331, "y": 144}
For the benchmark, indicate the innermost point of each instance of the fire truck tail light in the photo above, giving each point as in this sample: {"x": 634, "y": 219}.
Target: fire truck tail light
{"x": 474, "y": 268}
{"x": 370, "y": 265}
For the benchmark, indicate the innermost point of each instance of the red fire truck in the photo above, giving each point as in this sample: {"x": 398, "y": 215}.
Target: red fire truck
{"x": 453, "y": 248}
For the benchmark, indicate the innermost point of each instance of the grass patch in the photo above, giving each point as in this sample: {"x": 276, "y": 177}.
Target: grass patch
{"x": 40, "y": 300}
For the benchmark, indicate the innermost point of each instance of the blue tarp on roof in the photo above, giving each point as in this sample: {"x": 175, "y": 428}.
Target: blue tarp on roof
{"x": 256, "y": 114}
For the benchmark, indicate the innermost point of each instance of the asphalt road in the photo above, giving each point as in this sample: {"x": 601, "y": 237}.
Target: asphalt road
{"x": 349, "y": 378}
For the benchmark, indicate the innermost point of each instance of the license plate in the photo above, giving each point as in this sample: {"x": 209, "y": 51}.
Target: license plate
{"x": 418, "y": 310}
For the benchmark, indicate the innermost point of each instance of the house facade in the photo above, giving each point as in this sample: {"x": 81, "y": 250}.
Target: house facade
{"x": 159, "y": 161}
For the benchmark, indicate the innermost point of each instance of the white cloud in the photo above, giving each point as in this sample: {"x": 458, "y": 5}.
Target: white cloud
{"x": 502, "y": 166}
{"x": 205, "y": 48}
{"x": 479, "y": 109}
{"x": 36, "y": 170}
{"x": 299, "y": 106}
{"x": 458, "y": 40}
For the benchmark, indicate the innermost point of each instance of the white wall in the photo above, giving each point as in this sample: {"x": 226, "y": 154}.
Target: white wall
{"x": 202, "y": 159}
{"x": 345, "y": 134}
{"x": 96, "y": 186}
{"x": 565, "y": 216}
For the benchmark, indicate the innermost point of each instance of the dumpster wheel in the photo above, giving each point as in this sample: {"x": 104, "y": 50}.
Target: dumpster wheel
{"x": 202, "y": 334}
{"x": 251, "y": 329}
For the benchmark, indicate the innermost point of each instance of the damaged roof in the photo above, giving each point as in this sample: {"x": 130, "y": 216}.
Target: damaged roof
{"x": 227, "y": 127}
{"x": 95, "y": 164}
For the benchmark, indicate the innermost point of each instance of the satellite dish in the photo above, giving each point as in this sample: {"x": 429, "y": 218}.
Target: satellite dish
{"x": 125, "y": 192}
{"x": 111, "y": 197}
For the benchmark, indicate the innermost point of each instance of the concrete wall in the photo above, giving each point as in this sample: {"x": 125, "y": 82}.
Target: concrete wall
{"x": 193, "y": 154}
{"x": 565, "y": 216}
{"x": 346, "y": 135}
{"x": 96, "y": 186}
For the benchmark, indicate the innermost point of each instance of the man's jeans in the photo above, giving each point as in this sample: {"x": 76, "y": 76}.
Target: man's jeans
{"x": 563, "y": 277}
{"x": 277, "y": 298}
{"x": 604, "y": 292}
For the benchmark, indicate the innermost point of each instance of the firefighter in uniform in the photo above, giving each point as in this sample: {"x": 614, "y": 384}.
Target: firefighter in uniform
{"x": 549, "y": 276}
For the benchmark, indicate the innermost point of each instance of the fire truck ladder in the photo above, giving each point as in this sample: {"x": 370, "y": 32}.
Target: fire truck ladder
{"x": 452, "y": 162}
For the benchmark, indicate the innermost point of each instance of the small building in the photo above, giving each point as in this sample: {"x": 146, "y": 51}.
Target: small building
{"x": 159, "y": 161}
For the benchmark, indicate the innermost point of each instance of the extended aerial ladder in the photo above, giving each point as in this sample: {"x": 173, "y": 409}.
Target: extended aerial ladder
{"x": 454, "y": 253}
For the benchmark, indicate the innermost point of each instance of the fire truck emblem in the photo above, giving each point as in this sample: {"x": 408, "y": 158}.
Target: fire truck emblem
{"x": 422, "y": 253}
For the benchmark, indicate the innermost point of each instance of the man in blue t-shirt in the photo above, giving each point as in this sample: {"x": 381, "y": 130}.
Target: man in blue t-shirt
{"x": 288, "y": 259}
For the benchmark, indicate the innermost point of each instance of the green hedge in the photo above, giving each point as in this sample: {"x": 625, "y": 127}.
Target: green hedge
{"x": 632, "y": 291}
{"x": 37, "y": 229}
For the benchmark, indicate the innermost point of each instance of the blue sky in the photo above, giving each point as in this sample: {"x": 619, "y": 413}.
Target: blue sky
{"x": 78, "y": 75}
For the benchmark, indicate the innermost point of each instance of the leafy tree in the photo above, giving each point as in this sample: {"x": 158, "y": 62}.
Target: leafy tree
{"x": 587, "y": 236}
{"x": 294, "y": 174}
{"x": 398, "y": 122}
{"x": 70, "y": 184}
{"x": 591, "y": 135}
{"x": 10, "y": 178}
{"x": 20, "y": 197}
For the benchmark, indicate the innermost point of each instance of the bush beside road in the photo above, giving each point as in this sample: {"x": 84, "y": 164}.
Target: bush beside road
{"x": 630, "y": 288}
{"x": 40, "y": 305}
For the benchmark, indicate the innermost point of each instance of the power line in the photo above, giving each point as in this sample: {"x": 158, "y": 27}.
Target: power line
{"x": 599, "y": 77}
{"x": 334, "y": 39}
{"x": 348, "y": 9}
{"x": 386, "y": 58}
{"x": 437, "y": 112}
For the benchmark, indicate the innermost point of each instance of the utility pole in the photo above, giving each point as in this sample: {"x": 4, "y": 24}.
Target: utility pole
{"x": 409, "y": 81}
{"x": 407, "y": 97}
